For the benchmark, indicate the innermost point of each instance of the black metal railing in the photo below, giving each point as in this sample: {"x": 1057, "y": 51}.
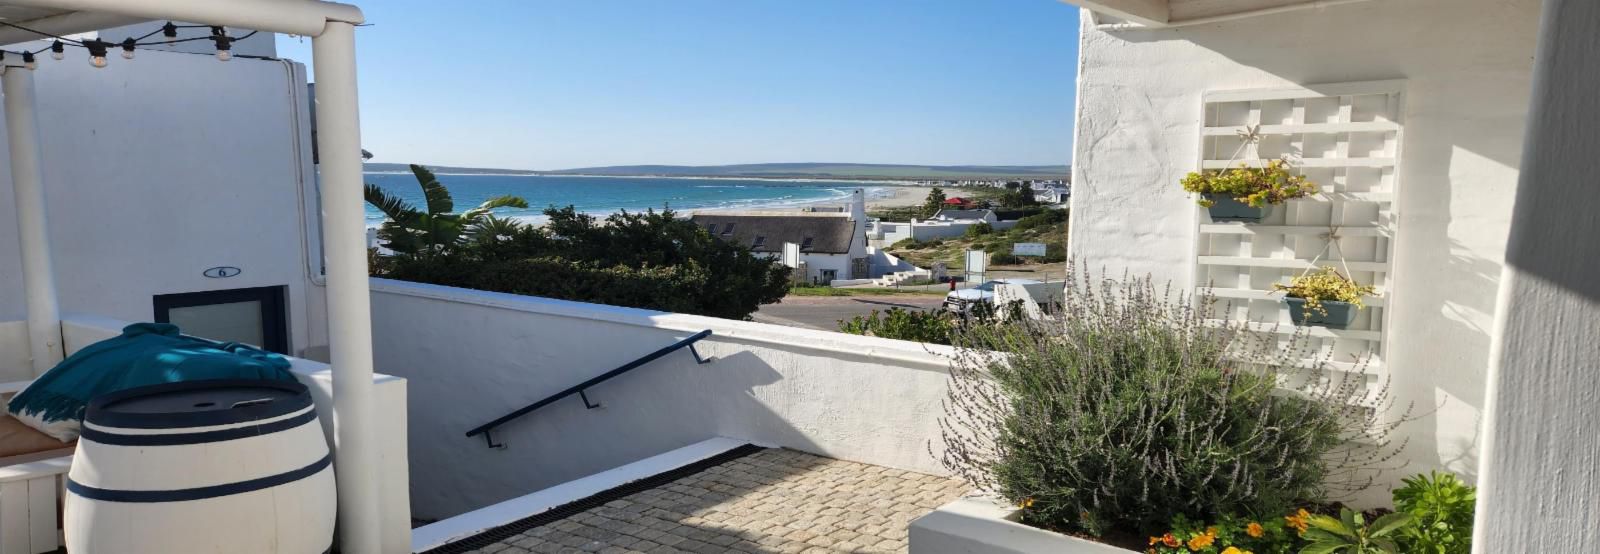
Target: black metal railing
{"x": 579, "y": 388}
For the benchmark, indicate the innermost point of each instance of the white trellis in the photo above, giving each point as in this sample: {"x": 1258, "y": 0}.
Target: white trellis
{"x": 1343, "y": 137}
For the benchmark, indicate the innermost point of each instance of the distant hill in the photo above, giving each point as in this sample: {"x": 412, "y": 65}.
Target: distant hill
{"x": 780, "y": 171}
{"x": 832, "y": 170}
{"x": 382, "y": 168}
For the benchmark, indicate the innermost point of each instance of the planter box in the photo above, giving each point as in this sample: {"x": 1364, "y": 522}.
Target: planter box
{"x": 1225, "y": 208}
{"x": 984, "y": 525}
{"x": 1339, "y": 316}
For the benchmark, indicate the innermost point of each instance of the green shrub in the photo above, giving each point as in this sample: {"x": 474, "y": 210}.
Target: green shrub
{"x": 1351, "y": 534}
{"x": 979, "y": 229}
{"x": 1046, "y": 219}
{"x": 1003, "y": 258}
{"x": 904, "y": 244}
{"x": 1134, "y": 411}
{"x": 1054, "y": 253}
{"x": 649, "y": 260}
{"x": 913, "y": 325}
{"x": 1443, "y": 508}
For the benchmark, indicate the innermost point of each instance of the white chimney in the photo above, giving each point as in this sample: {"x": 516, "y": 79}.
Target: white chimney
{"x": 858, "y": 206}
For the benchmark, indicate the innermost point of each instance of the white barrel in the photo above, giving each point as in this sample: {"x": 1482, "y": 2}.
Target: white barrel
{"x": 225, "y": 466}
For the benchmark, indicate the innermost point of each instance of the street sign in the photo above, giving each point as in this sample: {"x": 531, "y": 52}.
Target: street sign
{"x": 1028, "y": 249}
{"x": 977, "y": 261}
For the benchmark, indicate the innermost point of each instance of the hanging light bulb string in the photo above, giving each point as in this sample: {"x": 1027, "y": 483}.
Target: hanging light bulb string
{"x": 97, "y": 48}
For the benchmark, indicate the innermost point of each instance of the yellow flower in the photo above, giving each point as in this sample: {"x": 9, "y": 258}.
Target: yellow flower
{"x": 1201, "y": 540}
{"x": 1254, "y": 530}
{"x": 1232, "y": 550}
{"x": 1026, "y": 503}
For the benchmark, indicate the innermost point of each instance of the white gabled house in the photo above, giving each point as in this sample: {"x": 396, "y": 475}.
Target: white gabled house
{"x": 1455, "y": 139}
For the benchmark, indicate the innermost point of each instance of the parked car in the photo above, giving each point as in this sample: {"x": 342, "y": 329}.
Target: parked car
{"x": 1046, "y": 295}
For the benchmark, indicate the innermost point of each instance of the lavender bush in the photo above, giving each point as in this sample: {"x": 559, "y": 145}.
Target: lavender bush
{"x": 1132, "y": 410}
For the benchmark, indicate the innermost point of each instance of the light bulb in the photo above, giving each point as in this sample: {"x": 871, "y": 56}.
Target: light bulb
{"x": 28, "y": 61}
{"x": 127, "y": 54}
{"x": 127, "y": 49}
{"x": 58, "y": 55}
{"x": 97, "y": 61}
{"x": 224, "y": 55}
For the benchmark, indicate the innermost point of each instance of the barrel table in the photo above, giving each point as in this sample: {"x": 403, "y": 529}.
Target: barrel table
{"x": 235, "y": 466}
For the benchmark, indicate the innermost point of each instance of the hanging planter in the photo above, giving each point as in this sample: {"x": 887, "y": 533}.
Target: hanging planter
{"x": 1247, "y": 193}
{"x": 1324, "y": 298}
{"x": 1224, "y": 208}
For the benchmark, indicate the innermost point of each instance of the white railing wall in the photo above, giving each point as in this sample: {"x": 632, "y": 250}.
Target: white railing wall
{"x": 472, "y": 356}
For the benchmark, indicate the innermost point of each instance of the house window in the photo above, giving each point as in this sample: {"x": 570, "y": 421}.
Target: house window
{"x": 254, "y": 316}
{"x": 728, "y": 230}
{"x": 806, "y": 244}
{"x": 760, "y": 241}
{"x": 712, "y": 228}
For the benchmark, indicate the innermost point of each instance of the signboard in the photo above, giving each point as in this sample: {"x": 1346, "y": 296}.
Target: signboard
{"x": 977, "y": 261}
{"x": 791, "y": 255}
{"x": 1028, "y": 249}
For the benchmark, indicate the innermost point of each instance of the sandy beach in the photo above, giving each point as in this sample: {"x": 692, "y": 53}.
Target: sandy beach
{"x": 898, "y": 196}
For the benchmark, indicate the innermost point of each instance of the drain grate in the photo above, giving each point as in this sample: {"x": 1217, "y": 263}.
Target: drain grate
{"x": 575, "y": 507}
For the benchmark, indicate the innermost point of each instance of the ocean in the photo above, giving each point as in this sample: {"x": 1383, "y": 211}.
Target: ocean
{"x": 606, "y": 195}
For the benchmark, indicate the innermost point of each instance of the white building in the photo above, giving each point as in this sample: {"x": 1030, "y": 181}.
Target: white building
{"x": 832, "y": 243}
{"x": 1416, "y": 117}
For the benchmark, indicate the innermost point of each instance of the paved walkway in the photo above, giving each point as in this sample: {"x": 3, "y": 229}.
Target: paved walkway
{"x": 769, "y": 502}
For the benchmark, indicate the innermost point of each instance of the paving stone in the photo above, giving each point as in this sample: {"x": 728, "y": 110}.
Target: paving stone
{"x": 774, "y": 501}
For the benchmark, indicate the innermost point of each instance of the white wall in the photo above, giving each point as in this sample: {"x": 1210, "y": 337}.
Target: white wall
{"x": 1467, "y": 69}
{"x": 471, "y": 356}
{"x": 158, "y": 168}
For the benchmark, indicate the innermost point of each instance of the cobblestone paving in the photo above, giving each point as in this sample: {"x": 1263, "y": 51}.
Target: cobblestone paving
{"x": 768, "y": 502}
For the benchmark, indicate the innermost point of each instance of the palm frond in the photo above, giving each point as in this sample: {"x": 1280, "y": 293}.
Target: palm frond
{"x": 439, "y": 201}
{"x": 503, "y": 201}
{"x": 391, "y": 206}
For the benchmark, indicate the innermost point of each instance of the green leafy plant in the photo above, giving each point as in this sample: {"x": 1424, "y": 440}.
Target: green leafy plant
{"x": 1324, "y": 285}
{"x": 1443, "y": 509}
{"x": 1350, "y": 533}
{"x": 933, "y": 203}
{"x": 913, "y": 325}
{"x": 1227, "y": 534}
{"x": 979, "y": 229}
{"x": 1136, "y": 410}
{"x": 436, "y": 228}
{"x": 1273, "y": 183}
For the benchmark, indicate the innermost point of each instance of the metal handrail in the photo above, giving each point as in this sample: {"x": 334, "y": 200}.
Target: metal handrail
{"x": 579, "y": 388}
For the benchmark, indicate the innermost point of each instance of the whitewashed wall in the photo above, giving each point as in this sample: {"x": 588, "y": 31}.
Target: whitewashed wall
{"x": 471, "y": 356}
{"x": 1467, "y": 66}
{"x": 158, "y": 168}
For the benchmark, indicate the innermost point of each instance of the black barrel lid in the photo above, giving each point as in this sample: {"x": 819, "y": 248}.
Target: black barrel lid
{"x": 198, "y": 403}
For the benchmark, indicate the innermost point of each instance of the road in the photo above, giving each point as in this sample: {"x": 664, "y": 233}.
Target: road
{"x": 824, "y": 312}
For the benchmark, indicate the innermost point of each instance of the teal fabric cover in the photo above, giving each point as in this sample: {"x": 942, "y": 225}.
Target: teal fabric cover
{"x": 144, "y": 354}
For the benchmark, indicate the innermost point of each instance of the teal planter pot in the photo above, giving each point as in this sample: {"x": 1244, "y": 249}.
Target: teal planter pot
{"x": 1225, "y": 208}
{"x": 1340, "y": 314}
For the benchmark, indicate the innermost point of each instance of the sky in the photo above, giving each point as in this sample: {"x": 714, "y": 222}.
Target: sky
{"x": 557, "y": 84}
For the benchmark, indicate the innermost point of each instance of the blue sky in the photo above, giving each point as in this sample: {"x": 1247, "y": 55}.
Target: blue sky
{"x": 547, "y": 84}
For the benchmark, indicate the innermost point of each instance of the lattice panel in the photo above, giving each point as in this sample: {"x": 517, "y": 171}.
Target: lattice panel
{"x": 1345, "y": 138}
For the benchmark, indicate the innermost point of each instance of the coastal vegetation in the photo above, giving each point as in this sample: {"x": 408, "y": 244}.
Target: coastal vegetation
{"x": 650, "y": 260}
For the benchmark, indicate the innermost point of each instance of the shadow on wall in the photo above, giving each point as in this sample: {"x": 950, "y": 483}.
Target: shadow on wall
{"x": 467, "y": 364}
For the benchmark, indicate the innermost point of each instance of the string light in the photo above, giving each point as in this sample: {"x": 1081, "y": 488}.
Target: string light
{"x": 98, "y": 48}
{"x": 97, "y": 52}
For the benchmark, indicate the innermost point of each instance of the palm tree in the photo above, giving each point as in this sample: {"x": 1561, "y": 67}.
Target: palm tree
{"x": 438, "y": 229}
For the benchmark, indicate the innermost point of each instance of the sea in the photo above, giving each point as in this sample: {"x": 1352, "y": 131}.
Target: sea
{"x": 605, "y": 195}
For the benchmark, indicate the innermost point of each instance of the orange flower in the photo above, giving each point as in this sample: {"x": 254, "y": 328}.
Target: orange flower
{"x": 1235, "y": 550}
{"x": 1170, "y": 541}
{"x": 1154, "y": 540}
{"x": 1254, "y": 530}
{"x": 1299, "y": 521}
{"x": 1201, "y": 540}
{"x": 1026, "y": 503}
